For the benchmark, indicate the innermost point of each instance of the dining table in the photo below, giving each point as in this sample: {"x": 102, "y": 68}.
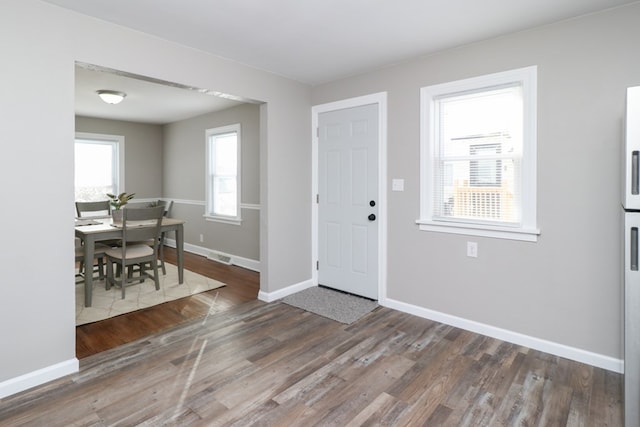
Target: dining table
{"x": 96, "y": 229}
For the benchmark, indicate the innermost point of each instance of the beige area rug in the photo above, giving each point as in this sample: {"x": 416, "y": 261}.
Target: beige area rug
{"x": 109, "y": 303}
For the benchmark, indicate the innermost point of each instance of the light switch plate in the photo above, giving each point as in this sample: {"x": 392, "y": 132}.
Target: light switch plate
{"x": 397, "y": 184}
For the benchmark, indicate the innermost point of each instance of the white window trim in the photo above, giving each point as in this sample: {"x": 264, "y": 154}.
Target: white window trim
{"x": 527, "y": 229}
{"x": 208, "y": 215}
{"x": 223, "y": 219}
{"x": 119, "y": 147}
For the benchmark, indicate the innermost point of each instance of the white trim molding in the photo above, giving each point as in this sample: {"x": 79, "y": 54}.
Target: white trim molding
{"x": 557, "y": 349}
{"x": 253, "y": 206}
{"x": 38, "y": 377}
{"x": 223, "y": 220}
{"x": 188, "y": 202}
{"x": 249, "y": 264}
{"x": 281, "y": 293}
{"x": 481, "y": 231}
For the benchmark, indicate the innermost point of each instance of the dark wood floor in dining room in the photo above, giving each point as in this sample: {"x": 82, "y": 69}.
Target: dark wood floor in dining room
{"x": 225, "y": 358}
{"x": 242, "y": 286}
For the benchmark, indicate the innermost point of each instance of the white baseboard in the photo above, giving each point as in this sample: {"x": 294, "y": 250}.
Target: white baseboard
{"x": 249, "y": 264}
{"x": 281, "y": 293}
{"x": 39, "y": 377}
{"x": 561, "y": 350}
{"x": 579, "y": 355}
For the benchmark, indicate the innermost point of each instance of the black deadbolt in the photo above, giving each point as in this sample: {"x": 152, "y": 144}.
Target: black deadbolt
{"x": 372, "y": 217}
{"x": 372, "y": 203}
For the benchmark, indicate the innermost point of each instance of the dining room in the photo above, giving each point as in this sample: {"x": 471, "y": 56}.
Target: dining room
{"x": 156, "y": 145}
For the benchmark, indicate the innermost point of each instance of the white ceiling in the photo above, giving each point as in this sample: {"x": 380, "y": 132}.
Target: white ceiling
{"x": 147, "y": 100}
{"x": 317, "y": 41}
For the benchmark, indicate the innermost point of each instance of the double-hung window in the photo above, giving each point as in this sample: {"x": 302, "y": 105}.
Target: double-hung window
{"x": 223, "y": 174}
{"x": 478, "y": 156}
{"x": 99, "y": 166}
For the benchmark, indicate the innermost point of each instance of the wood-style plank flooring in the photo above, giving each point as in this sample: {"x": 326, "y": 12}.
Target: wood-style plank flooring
{"x": 269, "y": 364}
{"x": 242, "y": 286}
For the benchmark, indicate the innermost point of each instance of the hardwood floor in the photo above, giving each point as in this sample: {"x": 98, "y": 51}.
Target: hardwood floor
{"x": 246, "y": 362}
{"x": 242, "y": 286}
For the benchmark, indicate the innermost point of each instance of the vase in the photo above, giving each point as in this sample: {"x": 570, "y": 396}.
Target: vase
{"x": 116, "y": 216}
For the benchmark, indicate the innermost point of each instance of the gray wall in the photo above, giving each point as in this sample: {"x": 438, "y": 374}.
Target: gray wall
{"x": 143, "y": 152}
{"x": 184, "y": 180}
{"x": 40, "y": 44}
{"x": 567, "y": 287}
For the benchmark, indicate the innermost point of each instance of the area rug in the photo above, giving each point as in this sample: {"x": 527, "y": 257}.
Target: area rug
{"x": 335, "y": 305}
{"x": 106, "y": 304}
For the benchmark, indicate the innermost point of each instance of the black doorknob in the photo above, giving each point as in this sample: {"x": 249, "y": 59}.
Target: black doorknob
{"x": 372, "y": 217}
{"x": 372, "y": 203}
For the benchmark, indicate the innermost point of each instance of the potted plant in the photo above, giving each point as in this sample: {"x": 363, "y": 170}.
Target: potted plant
{"x": 117, "y": 202}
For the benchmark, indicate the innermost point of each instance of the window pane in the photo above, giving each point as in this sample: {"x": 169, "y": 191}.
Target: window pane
{"x": 223, "y": 168}
{"x": 462, "y": 198}
{"x": 480, "y": 144}
{"x": 226, "y": 154}
{"x": 225, "y": 195}
{"x": 94, "y": 170}
{"x": 490, "y": 111}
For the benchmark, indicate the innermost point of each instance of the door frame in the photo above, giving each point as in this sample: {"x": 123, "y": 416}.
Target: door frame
{"x": 380, "y": 99}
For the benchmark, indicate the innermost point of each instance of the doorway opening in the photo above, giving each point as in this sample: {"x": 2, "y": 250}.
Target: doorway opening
{"x": 156, "y": 119}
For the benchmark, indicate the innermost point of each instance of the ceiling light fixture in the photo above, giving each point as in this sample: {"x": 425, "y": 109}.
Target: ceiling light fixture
{"x": 111, "y": 96}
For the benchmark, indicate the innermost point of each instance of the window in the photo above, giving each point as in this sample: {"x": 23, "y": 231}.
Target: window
{"x": 223, "y": 173}
{"x": 99, "y": 166}
{"x": 478, "y": 156}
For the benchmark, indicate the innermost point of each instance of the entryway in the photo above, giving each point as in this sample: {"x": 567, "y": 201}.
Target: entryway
{"x": 349, "y": 184}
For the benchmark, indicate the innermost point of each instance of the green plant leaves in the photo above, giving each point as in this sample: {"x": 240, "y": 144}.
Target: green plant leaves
{"x": 120, "y": 200}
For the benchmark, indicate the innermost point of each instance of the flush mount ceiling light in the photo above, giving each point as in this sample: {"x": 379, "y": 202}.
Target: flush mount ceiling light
{"x": 111, "y": 96}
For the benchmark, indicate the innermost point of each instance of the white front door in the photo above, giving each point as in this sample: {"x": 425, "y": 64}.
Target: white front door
{"x": 348, "y": 223}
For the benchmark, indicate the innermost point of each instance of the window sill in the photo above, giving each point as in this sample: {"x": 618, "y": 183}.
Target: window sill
{"x": 526, "y": 235}
{"x": 223, "y": 220}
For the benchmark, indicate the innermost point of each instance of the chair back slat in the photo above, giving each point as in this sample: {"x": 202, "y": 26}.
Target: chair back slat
{"x": 164, "y": 203}
{"x": 141, "y": 223}
{"x": 84, "y": 209}
{"x": 167, "y": 206}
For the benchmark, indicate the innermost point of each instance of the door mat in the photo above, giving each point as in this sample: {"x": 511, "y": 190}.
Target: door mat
{"x": 335, "y": 305}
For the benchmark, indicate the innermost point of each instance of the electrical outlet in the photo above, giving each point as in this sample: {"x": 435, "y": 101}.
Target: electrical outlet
{"x": 472, "y": 249}
{"x": 201, "y": 238}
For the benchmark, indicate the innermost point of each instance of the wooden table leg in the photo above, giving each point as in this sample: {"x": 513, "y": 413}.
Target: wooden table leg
{"x": 89, "y": 249}
{"x": 180, "y": 252}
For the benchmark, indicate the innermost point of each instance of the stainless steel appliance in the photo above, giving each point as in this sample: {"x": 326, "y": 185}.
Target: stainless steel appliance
{"x": 631, "y": 207}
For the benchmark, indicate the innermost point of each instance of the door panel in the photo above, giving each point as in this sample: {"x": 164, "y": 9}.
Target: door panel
{"x": 632, "y": 317}
{"x": 334, "y": 180}
{"x": 334, "y": 256}
{"x": 359, "y": 249}
{"x": 359, "y": 182}
{"x": 347, "y": 182}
